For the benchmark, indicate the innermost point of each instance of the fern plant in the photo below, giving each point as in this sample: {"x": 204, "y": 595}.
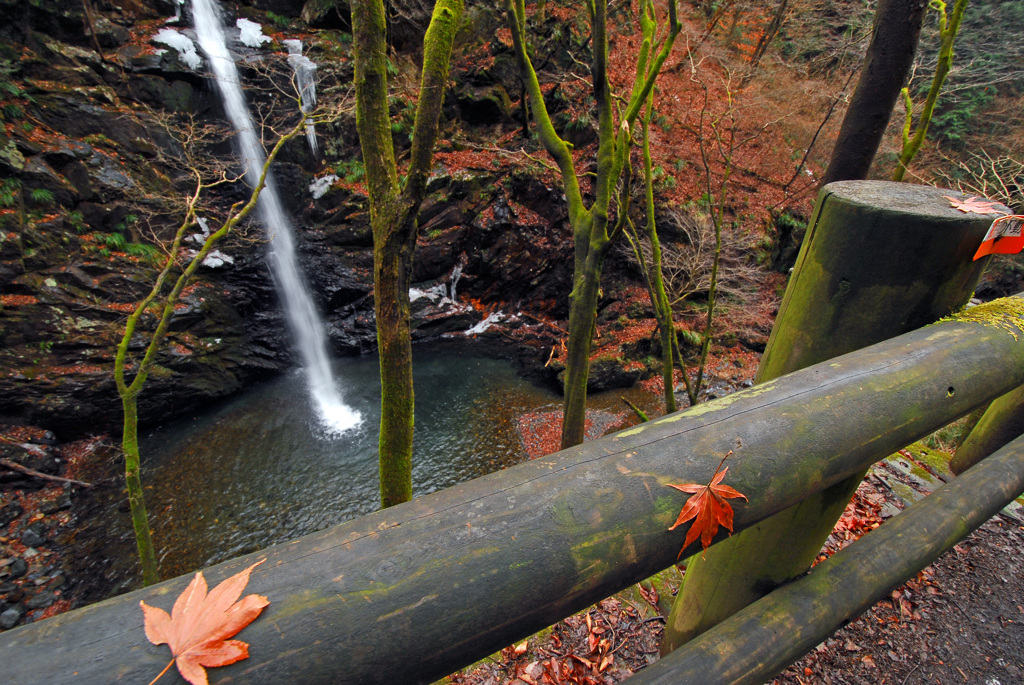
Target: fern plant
{"x": 41, "y": 196}
{"x": 9, "y": 188}
{"x": 278, "y": 20}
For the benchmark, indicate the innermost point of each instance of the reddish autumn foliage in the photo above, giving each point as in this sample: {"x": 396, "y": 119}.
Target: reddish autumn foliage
{"x": 199, "y": 625}
{"x": 17, "y": 300}
{"x": 707, "y": 508}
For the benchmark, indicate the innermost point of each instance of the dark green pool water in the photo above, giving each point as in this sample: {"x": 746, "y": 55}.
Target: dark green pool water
{"x": 258, "y": 470}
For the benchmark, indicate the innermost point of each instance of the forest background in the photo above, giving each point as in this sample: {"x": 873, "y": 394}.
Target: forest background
{"x": 776, "y": 79}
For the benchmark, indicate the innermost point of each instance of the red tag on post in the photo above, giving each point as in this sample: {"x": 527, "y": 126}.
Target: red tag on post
{"x": 1004, "y": 236}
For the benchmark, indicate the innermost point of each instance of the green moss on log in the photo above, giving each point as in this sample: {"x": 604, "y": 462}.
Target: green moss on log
{"x": 1006, "y": 314}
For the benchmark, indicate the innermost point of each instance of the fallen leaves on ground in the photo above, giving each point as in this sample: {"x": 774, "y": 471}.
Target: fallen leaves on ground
{"x": 199, "y": 625}
{"x": 707, "y": 507}
{"x": 602, "y": 645}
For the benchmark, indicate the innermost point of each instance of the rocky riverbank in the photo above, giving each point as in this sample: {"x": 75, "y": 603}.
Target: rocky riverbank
{"x": 38, "y": 522}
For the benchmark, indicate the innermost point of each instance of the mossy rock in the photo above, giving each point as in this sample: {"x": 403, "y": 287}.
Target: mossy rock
{"x": 936, "y": 460}
{"x": 607, "y": 373}
{"x": 11, "y": 159}
{"x": 484, "y": 106}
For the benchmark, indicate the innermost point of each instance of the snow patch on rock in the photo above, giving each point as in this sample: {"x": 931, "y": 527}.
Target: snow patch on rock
{"x": 320, "y": 186}
{"x": 251, "y": 33}
{"x": 183, "y": 44}
{"x": 486, "y": 323}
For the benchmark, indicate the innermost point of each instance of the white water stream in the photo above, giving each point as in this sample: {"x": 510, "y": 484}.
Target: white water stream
{"x": 306, "y": 326}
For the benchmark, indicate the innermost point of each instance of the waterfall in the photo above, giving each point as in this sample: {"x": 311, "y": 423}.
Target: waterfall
{"x": 306, "y": 327}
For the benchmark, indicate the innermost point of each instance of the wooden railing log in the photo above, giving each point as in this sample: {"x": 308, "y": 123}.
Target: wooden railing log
{"x": 414, "y": 592}
{"x": 755, "y": 644}
{"x": 1002, "y": 422}
{"x": 879, "y": 259}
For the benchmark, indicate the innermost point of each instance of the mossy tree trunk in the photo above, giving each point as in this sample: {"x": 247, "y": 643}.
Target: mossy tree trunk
{"x": 393, "y": 210}
{"x": 948, "y": 28}
{"x": 161, "y": 302}
{"x": 879, "y": 259}
{"x": 593, "y": 228}
{"x": 654, "y": 277}
{"x": 656, "y": 280}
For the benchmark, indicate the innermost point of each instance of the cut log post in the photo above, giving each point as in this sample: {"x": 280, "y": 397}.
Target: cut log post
{"x": 1002, "y": 422}
{"x": 879, "y": 259}
{"x": 456, "y": 575}
{"x": 760, "y": 641}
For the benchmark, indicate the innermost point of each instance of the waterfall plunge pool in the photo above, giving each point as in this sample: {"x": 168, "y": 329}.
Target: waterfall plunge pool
{"x": 258, "y": 469}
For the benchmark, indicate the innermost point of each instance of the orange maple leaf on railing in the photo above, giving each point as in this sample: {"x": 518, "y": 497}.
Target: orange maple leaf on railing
{"x": 707, "y": 508}
{"x": 199, "y": 625}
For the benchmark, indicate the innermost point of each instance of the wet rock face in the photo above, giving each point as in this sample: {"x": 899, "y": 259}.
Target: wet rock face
{"x": 81, "y": 158}
{"x": 606, "y": 373}
{"x": 60, "y": 374}
{"x": 511, "y": 236}
{"x": 521, "y": 249}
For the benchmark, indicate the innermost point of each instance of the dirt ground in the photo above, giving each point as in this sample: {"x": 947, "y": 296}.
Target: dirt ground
{"x": 960, "y": 621}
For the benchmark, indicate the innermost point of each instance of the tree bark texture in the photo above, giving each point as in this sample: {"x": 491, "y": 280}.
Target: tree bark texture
{"x": 591, "y": 241}
{"x": 393, "y": 210}
{"x": 759, "y": 642}
{"x": 453, "y": 576}
{"x": 133, "y": 483}
{"x": 582, "y": 322}
{"x": 392, "y": 261}
{"x": 887, "y": 63}
{"x": 879, "y": 259}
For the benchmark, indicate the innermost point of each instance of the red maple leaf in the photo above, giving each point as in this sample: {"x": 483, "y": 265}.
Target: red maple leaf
{"x": 974, "y": 205}
{"x": 707, "y": 508}
{"x": 200, "y": 623}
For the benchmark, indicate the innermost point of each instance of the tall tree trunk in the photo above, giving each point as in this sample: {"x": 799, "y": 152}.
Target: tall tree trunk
{"x": 769, "y": 34}
{"x": 392, "y": 269}
{"x": 393, "y": 210}
{"x": 656, "y": 280}
{"x": 582, "y": 324}
{"x": 949, "y": 25}
{"x": 136, "y": 500}
{"x": 591, "y": 237}
{"x": 164, "y": 304}
{"x": 889, "y": 57}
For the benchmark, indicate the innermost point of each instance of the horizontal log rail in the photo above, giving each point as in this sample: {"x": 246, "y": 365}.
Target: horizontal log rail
{"x": 760, "y": 641}
{"x": 414, "y": 592}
